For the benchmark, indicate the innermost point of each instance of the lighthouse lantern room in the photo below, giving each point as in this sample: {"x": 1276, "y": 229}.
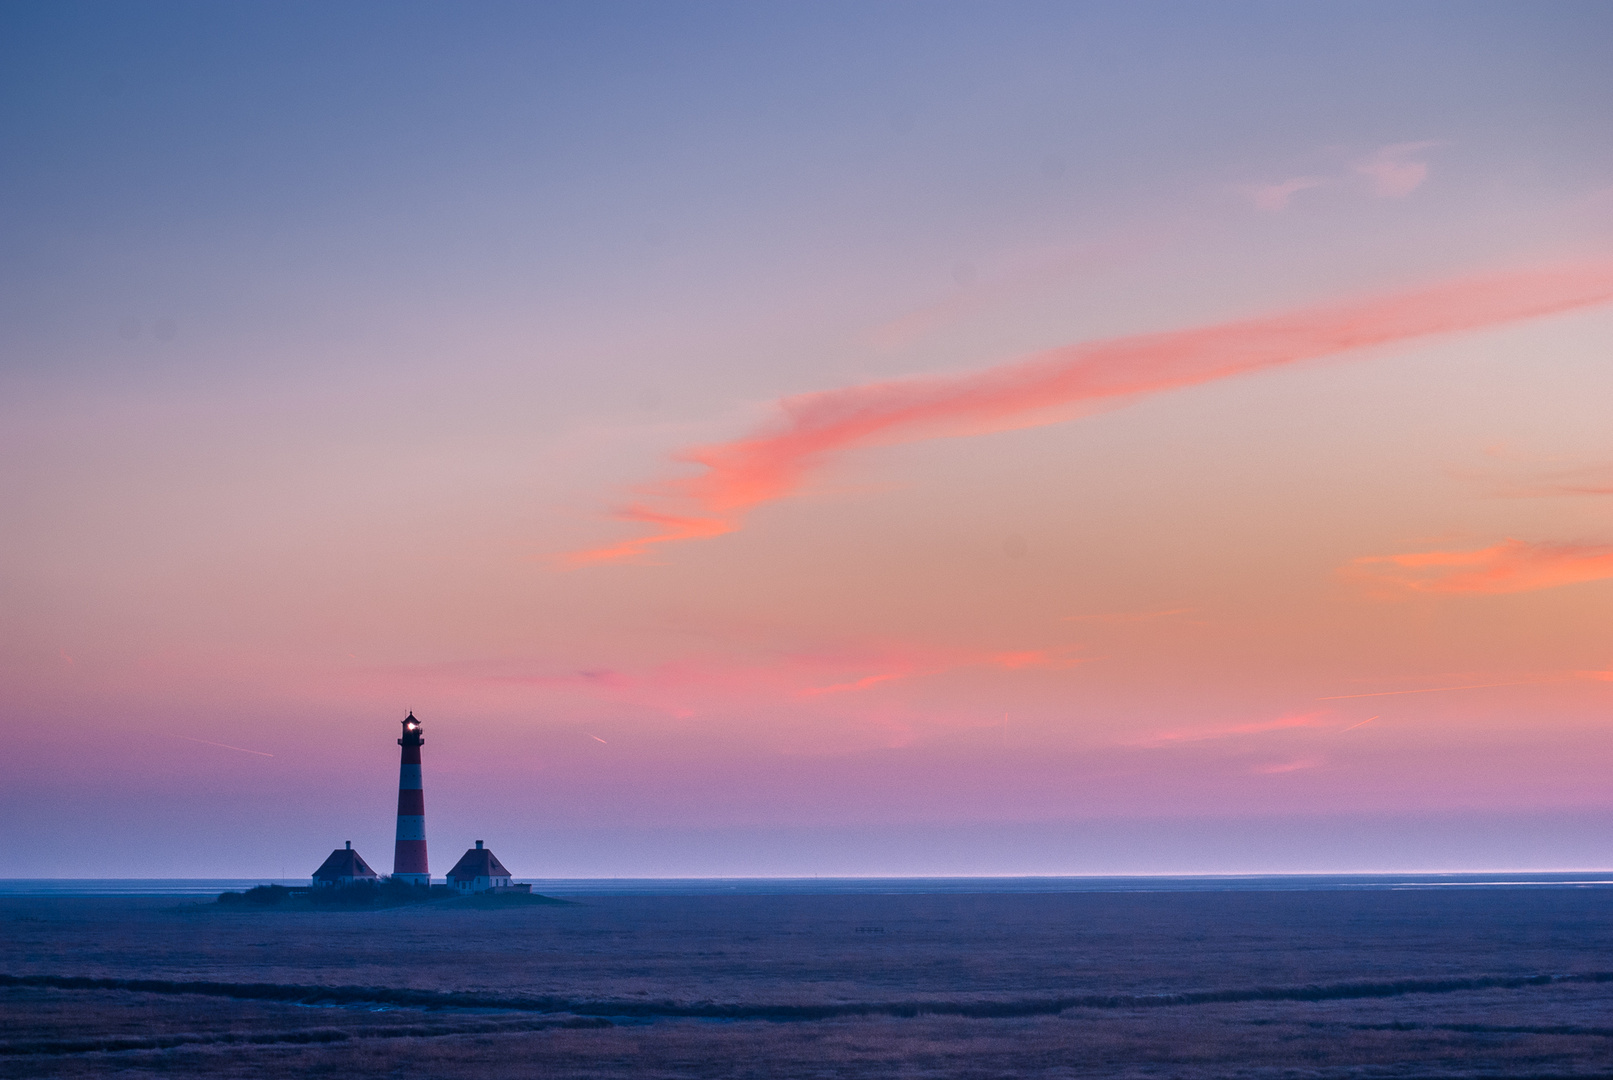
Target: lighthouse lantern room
{"x": 409, "y": 857}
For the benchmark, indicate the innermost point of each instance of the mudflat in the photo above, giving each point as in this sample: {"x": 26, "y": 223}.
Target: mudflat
{"x": 1369, "y": 983}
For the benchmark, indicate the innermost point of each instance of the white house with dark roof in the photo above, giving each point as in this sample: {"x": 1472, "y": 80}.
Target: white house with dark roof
{"x": 344, "y": 867}
{"x": 477, "y": 871}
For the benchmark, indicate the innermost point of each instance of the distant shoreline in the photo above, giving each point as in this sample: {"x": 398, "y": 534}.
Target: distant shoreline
{"x": 211, "y": 887}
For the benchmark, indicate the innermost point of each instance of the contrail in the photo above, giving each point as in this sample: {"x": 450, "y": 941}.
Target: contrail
{"x": 1429, "y": 690}
{"x": 225, "y": 746}
{"x": 1352, "y": 727}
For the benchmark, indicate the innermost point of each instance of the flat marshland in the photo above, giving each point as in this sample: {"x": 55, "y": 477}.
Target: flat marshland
{"x": 1269, "y": 983}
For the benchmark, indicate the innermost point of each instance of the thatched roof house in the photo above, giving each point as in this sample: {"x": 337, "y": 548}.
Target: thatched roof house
{"x": 344, "y": 867}
{"x": 478, "y": 870}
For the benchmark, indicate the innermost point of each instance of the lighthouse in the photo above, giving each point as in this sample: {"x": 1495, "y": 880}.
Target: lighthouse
{"x": 409, "y": 857}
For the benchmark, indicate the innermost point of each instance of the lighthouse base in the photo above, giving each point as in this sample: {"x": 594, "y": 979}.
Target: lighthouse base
{"x": 423, "y": 880}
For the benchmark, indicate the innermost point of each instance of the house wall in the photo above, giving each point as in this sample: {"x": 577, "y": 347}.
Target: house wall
{"x": 478, "y": 884}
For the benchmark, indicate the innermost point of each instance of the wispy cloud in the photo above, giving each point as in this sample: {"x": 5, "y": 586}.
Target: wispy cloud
{"x": 1590, "y": 480}
{"x": 1277, "y": 768}
{"x": 1130, "y": 616}
{"x": 812, "y": 430}
{"x": 686, "y": 686}
{"x": 1049, "y": 659}
{"x": 936, "y": 663}
{"x": 1511, "y": 478}
{"x": 862, "y": 683}
{"x": 1229, "y": 731}
{"x": 1393, "y": 171}
{"x": 1426, "y": 690}
{"x": 1512, "y": 566}
{"x": 1275, "y": 197}
{"x": 1389, "y": 172}
{"x": 673, "y": 528}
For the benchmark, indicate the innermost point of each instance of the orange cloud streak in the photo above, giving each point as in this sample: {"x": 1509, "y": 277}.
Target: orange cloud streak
{"x": 1062, "y": 383}
{"x": 1511, "y": 566}
{"x": 674, "y": 526}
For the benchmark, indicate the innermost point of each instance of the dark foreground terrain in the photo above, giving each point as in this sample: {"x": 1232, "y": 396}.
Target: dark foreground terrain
{"x": 1377, "y": 983}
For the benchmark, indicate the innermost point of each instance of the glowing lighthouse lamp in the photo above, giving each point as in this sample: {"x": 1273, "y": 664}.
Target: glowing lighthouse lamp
{"x": 409, "y": 857}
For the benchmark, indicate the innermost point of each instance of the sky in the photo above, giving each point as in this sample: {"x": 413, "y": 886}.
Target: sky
{"x": 793, "y": 439}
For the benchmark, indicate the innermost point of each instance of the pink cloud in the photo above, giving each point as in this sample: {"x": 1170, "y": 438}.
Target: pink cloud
{"x": 812, "y": 430}
{"x": 1275, "y": 197}
{"x": 1228, "y": 731}
{"x": 1512, "y": 566}
{"x": 856, "y": 684}
{"x": 674, "y": 527}
{"x": 1392, "y": 173}
{"x": 1278, "y": 768}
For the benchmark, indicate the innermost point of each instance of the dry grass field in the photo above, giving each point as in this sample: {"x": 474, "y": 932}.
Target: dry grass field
{"x": 1376, "y": 983}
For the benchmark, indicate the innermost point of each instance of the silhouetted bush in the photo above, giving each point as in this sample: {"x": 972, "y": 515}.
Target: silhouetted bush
{"x": 385, "y": 893}
{"x": 368, "y": 894}
{"x": 365, "y": 894}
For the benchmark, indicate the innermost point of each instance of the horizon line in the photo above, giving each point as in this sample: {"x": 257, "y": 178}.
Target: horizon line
{"x": 935, "y": 877}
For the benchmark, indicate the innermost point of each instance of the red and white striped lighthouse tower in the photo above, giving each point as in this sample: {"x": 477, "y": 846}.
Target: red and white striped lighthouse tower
{"x": 409, "y": 857}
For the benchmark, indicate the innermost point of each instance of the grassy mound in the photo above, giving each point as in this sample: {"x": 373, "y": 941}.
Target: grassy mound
{"x": 382, "y": 894}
